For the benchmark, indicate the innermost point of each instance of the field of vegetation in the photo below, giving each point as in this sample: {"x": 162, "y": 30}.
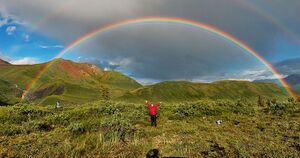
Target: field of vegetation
{"x": 118, "y": 129}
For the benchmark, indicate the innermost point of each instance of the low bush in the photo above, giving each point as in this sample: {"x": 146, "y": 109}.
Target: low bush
{"x": 282, "y": 108}
{"x": 118, "y": 127}
{"x": 76, "y": 128}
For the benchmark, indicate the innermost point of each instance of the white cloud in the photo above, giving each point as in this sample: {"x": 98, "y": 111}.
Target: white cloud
{"x": 255, "y": 74}
{"x": 157, "y": 50}
{"x": 26, "y": 38}
{"x": 4, "y": 57}
{"x": 120, "y": 62}
{"x": 48, "y": 46}
{"x": 10, "y": 30}
{"x": 146, "y": 81}
{"x": 24, "y": 61}
{"x": 3, "y": 22}
{"x": 9, "y": 19}
{"x": 4, "y": 18}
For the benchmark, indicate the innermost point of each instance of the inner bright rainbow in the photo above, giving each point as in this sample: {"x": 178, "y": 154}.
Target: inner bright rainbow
{"x": 176, "y": 20}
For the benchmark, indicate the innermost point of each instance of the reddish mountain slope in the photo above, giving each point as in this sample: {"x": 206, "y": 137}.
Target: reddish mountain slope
{"x": 2, "y": 62}
{"x": 77, "y": 70}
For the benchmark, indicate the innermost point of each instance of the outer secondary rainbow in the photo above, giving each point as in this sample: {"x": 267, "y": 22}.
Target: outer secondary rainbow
{"x": 275, "y": 22}
{"x": 176, "y": 20}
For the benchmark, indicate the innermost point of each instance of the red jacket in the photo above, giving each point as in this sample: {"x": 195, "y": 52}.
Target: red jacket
{"x": 152, "y": 109}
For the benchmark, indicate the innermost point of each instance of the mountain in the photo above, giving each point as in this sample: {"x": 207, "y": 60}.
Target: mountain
{"x": 2, "y": 62}
{"x": 72, "y": 82}
{"x": 9, "y": 93}
{"x": 289, "y": 66}
{"x": 184, "y": 90}
{"x": 67, "y": 81}
{"x": 293, "y": 80}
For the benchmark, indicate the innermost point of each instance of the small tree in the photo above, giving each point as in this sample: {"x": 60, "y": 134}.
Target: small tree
{"x": 105, "y": 93}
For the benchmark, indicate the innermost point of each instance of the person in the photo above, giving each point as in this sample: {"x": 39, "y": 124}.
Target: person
{"x": 57, "y": 104}
{"x": 152, "y": 112}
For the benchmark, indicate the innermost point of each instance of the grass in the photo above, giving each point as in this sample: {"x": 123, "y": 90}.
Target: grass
{"x": 175, "y": 91}
{"x": 118, "y": 129}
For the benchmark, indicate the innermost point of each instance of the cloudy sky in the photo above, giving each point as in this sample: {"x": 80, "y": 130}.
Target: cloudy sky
{"x": 35, "y": 31}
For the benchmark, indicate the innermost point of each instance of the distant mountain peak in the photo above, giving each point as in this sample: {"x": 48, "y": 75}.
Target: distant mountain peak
{"x": 293, "y": 79}
{"x": 3, "y": 62}
{"x": 74, "y": 69}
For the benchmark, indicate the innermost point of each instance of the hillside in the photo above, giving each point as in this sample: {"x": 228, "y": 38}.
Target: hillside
{"x": 72, "y": 82}
{"x": 293, "y": 80}
{"x": 183, "y": 90}
{"x": 289, "y": 66}
{"x": 2, "y": 62}
{"x": 9, "y": 93}
{"x": 67, "y": 81}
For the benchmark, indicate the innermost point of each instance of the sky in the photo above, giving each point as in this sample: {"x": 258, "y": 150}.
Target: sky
{"x": 35, "y": 31}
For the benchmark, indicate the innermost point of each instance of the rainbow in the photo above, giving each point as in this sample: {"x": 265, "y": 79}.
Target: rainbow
{"x": 271, "y": 19}
{"x": 175, "y": 20}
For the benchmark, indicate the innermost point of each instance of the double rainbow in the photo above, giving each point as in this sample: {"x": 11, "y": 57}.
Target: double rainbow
{"x": 175, "y": 20}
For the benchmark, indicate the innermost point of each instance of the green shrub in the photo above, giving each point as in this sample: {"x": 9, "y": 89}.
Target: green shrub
{"x": 111, "y": 108}
{"x": 59, "y": 119}
{"x": 76, "y": 128}
{"x": 242, "y": 109}
{"x": 10, "y": 130}
{"x": 118, "y": 127}
{"x": 23, "y": 113}
{"x": 282, "y": 108}
{"x": 41, "y": 126}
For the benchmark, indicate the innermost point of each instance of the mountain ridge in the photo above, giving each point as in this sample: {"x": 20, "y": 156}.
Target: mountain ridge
{"x": 80, "y": 81}
{"x": 69, "y": 81}
{"x": 293, "y": 80}
{"x": 185, "y": 90}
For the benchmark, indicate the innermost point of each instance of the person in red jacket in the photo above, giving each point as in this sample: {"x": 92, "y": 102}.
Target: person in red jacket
{"x": 152, "y": 112}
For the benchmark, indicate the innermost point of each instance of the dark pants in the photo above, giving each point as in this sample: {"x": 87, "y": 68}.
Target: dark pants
{"x": 153, "y": 120}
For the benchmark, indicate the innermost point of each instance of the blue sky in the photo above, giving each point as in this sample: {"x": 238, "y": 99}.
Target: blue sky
{"x": 17, "y": 43}
{"x": 35, "y": 32}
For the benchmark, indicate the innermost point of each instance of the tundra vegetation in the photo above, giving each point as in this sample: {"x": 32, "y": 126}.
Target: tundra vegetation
{"x": 260, "y": 128}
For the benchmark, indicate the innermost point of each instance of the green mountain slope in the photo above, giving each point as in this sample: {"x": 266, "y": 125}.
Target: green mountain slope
{"x": 183, "y": 90}
{"x": 67, "y": 81}
{"x": 9, "y": 93}
{"x": 293, "y": 80}
{"x": 72, "y": 82}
